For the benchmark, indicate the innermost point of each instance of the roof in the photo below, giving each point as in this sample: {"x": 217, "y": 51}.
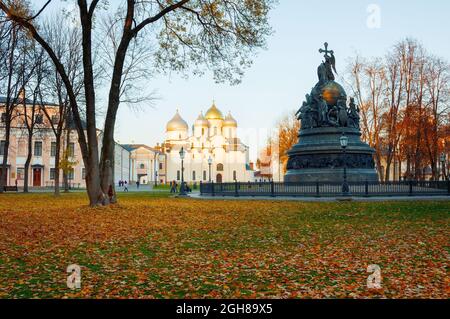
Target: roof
{"x": 213, "y": 113}
{"x": 132, "y": 147}
{"x": 177, "y": 123}
{"x": 27, "y": 101}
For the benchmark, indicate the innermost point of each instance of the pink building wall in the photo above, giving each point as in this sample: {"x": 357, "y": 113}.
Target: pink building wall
{"x": 42, "y": 162}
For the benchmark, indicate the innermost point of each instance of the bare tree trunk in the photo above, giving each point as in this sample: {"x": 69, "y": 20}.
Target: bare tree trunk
{"x": 57, "y": 159}
{"x": 27, "y": 163}
{"x": 3, "y": 175}
{"x": 65, "y": 175}
{"x": 96, "y": 196}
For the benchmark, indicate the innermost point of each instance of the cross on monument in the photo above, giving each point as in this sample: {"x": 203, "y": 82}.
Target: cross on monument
{"x": 326, "y": 51}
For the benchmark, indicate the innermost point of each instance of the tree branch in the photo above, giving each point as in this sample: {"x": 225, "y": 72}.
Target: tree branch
{"x": 158, "y": 16}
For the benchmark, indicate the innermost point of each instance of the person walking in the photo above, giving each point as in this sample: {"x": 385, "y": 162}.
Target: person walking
{"x": 110, "y": 193}
{"x": 137, "y": 184}
{"x": 125, "y": 185}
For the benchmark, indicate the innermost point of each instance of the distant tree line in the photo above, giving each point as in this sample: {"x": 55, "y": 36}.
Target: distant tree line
{"x": 404, "y": 100}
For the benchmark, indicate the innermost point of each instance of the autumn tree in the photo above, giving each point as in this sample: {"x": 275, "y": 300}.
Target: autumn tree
{"x": 31, "y": 114}
{"x": 283, "y": 138}
{"x": 221, "y": 36}
{"x": 65, "y": 41}
{"x": 403, "y": 97}
{"x": 14, "y": 74}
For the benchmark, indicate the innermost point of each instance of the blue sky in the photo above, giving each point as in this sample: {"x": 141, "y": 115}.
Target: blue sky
{"x": 286, "y": 71}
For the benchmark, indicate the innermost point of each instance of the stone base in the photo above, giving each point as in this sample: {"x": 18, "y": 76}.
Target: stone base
{"x": 330, "y": 175}
{"x": 318, "y": 157}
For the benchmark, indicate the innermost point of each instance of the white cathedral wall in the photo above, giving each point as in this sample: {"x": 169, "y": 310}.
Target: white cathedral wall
{"x": 232, "y": 161}
{"x": 176, "y": 135}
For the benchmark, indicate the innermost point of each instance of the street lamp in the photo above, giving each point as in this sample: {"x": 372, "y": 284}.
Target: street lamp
{"x": 182, "y": 189}
{"x": 443, "y": 158}
{"x": 210, "y": 160}
{"x": 344, "y": 144}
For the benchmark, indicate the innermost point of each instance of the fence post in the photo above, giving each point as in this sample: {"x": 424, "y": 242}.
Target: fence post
{"x": 212, "y": 188}
{"x": 410, "y": 187}
{"x": 367, "y": 188}
{"x": 201, "y": 188}
{"x": 317, "y": 189}
{"x": 272, "y": 189}
{"x": 236, "y": 189}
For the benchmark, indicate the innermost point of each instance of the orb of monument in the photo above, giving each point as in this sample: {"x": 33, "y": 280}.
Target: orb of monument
{"x": 332, "y": 92}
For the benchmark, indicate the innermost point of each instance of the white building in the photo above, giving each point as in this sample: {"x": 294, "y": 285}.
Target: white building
{"x": 213, "y": 137}
{"x": 146, "y": 164}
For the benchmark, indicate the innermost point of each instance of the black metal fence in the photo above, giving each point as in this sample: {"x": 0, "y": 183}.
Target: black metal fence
{"x": 321, "y": 189}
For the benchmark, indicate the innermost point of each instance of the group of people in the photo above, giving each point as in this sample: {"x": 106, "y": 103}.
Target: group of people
{"x": 174, "y": 187}
{"x": 124, "y": 184}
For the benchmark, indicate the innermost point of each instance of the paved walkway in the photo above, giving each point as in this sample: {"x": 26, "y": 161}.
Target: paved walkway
{"x": 326, "y": 199}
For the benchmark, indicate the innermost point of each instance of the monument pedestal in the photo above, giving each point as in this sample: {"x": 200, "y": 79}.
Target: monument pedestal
{"x": 318, "y": 157}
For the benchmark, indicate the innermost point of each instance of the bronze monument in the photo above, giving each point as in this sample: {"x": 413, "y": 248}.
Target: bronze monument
{"x": 325, "y": 115}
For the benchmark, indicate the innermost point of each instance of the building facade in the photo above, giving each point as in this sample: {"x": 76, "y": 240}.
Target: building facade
{"x": 213, "y": 151}
{"x": 146, "y": 164}
{"x": 41, "y": 172}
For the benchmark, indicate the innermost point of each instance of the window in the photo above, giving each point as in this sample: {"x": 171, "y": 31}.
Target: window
{"x": 20, "y": 173}
{"x": 3, "y": 117}
{"x": 203, "y": 131}
{"x": 71, "y": 150}
{"x": 204, "y": 175}
{"x": 215, "y": 130}
{"x": 55, "y": 119}
{"x": 234, "y": 176}
{"x": 142, "y": 166}
{"x": 39, "y": 119}
{"x": 70, "y": 174}
{"x": 160, "y": 166}
{"x": 37, "y": 148}
{"x": 2, "y": 147}
{"x": 193, "y": 175}
{"x": 220, "y": 167}
{"x": 53, "y": 149}
{"x": 178, "y": 175}
{"x": 52, "y": 173}
{"x": 83, "y": 173}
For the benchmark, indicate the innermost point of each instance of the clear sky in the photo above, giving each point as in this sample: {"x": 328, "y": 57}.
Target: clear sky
{"x": 286, "y": 71}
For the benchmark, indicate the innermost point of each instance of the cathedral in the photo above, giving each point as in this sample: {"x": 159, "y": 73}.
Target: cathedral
{"x": 213, "y": 152}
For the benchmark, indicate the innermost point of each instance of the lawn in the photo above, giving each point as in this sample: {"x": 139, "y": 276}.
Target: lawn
{"x": 157, "y": 247}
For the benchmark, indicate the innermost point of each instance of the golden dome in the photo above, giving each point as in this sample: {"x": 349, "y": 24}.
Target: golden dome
{"x": 214, "y": 113}
{"x": 177, "y": 124}
{"x": 230, "y": 121}
{"x": 201, "y": 121}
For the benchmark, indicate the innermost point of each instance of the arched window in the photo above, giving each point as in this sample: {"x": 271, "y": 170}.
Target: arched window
{"x": 203, "y": 131}
{"x": 234, "y": 176}
{"x": 193, "y": 175}
{"x": 220, "y": 167}
{"x": 142, "y": 166}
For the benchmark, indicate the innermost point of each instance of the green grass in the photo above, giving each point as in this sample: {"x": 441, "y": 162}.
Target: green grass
{"x": 152, "y": 246}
